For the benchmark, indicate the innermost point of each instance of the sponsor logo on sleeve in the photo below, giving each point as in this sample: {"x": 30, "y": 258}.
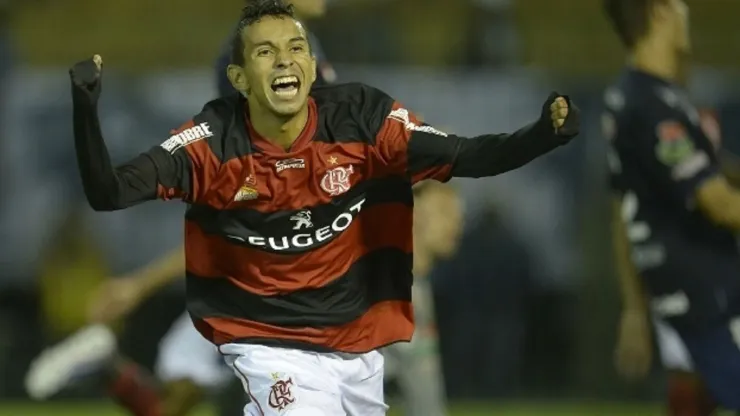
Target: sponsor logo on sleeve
{"x": 402, "y": 115}
{"x": 187, "y": 136}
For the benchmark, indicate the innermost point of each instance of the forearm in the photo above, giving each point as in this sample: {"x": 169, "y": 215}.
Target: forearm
{"x": 106, "y": 187}
{"x": 162, "y": 271}
{"x": 630, "y": 284}
{"x": 719, "y": 202}
{"x": 491, "y": 155}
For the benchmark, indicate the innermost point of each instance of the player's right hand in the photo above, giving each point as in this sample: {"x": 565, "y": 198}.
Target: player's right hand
{"x": 562, "y": 115}
{"x": 634, "y": 353}
{"x": 115, "y": 299}
{"x": 86, "y": 76}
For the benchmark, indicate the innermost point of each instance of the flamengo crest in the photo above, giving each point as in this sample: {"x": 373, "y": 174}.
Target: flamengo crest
{"x": 336, "y": 181}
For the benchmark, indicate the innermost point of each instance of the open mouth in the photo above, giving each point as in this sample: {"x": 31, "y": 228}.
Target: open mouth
{"x": 286, "y": 86}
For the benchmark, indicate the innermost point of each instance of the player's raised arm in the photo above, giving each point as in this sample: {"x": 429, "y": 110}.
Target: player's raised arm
{"x": 172, "y": 170}
{"x": 431, "y": 154}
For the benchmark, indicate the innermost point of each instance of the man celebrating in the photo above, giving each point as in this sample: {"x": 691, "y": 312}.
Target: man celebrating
{"x": 299, "y": 312}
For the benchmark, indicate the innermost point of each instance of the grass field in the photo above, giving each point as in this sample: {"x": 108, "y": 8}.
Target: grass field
{"x": 502, "y": 409}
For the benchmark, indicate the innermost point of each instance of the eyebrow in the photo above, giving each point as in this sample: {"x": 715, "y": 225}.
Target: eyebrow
{"x": 270, "y": 43}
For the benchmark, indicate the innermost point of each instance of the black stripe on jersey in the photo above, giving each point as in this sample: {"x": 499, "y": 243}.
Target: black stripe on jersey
{"x": 238, "y": 225}
{"x": 429, "y": 150}
{"x": 229, "y": 113}
{"x": 350, "y": 113}
{"x": 178, "y": 162}
{"x": 371, "y": 279}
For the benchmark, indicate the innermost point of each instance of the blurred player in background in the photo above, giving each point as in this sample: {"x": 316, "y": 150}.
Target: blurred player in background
{"x": 675, "y": 217}
{"x": 417, "y": 365}
{"x": 188, "y": 367}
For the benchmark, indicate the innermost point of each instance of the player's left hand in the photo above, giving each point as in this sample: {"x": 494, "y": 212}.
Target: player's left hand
{"x": 563, "y": 115}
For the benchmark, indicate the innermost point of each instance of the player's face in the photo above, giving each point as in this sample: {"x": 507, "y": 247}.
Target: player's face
{"x": 279, "y": 68}
{"x": 439, "y": 214}
{"x": 677, "y": 19}
{"x": 310, "y": 9}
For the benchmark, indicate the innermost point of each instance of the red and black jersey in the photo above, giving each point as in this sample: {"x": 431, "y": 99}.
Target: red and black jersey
{"x": 309, "y": 247}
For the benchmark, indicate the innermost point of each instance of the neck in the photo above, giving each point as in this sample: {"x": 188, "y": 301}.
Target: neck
{"x": 654, "y": 58}
{"x": 282, "y": 131}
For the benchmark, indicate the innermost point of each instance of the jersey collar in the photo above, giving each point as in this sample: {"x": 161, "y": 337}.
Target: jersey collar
{"x": 267, "y": 146}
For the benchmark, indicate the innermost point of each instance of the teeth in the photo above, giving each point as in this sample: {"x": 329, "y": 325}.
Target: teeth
{"x": 285, "y": 80}
{"x": 290, "y": 92}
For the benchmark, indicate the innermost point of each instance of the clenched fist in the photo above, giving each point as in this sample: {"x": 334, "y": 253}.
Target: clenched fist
{"x": 86, "y": 77}
{"x": 562, "y": 114}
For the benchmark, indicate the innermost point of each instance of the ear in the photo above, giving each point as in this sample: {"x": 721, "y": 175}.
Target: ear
{"x": 238, "y": 78}
{"x": 313, "y": 69}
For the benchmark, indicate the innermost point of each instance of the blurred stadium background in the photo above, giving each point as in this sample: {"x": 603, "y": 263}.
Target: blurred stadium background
{"x": 526, "y": 311}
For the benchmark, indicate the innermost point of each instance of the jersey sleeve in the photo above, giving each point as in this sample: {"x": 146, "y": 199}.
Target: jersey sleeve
{"x": 185, "y": 162}
{"x": 676, "y": 157}
{"x": 405, "y": 143}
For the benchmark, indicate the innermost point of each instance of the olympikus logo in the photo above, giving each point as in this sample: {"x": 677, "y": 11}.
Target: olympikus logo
{"x": 304, "y": 240}
{"x": 281, "y": 165}
{"x": 187, "y": 136}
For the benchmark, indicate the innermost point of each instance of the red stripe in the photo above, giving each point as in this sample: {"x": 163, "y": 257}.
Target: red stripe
{"x": 303, "y": 190}
{"x": 441, "y": 173}
{"x": 266, "y": 274}
{"x": 383, "y": 323}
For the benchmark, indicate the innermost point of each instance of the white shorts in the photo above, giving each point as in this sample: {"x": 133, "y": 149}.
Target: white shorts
{"x": 185, "y": 354}
{"x": 291, "y": 382}
{"x": 673, "y": 352}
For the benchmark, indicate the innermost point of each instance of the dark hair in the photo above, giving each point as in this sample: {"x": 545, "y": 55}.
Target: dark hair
{"x": 253, "y": 12}
{"x": 630, "y": 18}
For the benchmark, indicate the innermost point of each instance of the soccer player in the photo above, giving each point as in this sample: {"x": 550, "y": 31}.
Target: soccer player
{"x": 675, "y": 217}
{"x": 298, "y": 233}
{"x": 188, "y": 367}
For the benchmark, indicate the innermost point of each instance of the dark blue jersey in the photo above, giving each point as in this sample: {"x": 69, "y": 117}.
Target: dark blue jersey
{"x": 658, "y": 157}
{"x": 324, "y": 71}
